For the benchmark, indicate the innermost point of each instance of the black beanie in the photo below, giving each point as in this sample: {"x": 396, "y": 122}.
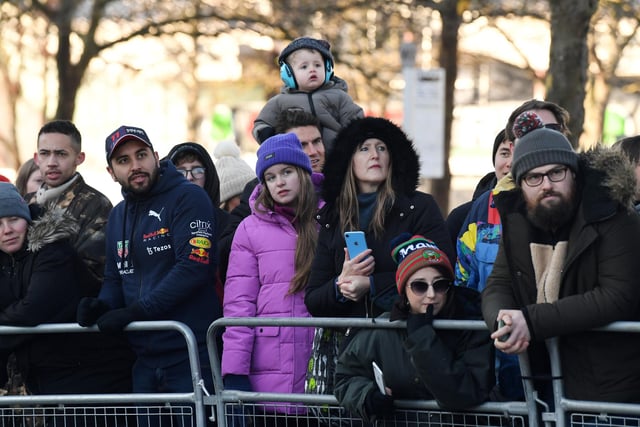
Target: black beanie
{"x": 319, "y": 45}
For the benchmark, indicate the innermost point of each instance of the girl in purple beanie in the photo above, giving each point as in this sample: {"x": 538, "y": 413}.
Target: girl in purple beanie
{"x": 269, "y": 267}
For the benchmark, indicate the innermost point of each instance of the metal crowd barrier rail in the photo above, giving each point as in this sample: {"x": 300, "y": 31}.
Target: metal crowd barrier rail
{"x": 108, "y": 409}
{"x": 589, "y": 413}
{"x": 408, "y": 413}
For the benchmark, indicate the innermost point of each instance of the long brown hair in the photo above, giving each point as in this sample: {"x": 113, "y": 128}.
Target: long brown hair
{"x": 305, "y": 224}
{"x": 348, "y": 206}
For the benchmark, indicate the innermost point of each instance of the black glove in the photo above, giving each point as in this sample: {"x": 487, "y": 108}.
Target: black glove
{"x": 417, "y": 321}
{"x": 378, "y": 405}
{"x": 240, "y": 415}
{"x": 264, "y": 133}
{"x": 4, "y": 372}
{"x": 237, "y": 382}
{"x": 115, "y": 320}
{"x": 89, "y": 310}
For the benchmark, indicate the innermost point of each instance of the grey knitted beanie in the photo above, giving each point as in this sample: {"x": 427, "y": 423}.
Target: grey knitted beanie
{"x": 12, "y": 203}
{"x": 538, "y": 146}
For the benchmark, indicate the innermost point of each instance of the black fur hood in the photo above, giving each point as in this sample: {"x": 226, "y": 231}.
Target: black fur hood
{"x": 608, "y": 181}
{"x": 54, "y": 224}
{"x": 404, "y": 158}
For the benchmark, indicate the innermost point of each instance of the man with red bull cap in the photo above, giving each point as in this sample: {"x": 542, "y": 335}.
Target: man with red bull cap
{"x": 160, "y": 263}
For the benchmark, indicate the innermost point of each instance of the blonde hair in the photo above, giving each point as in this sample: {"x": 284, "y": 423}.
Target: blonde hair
{"x": 292, "y": 58}
{"x": 305, "y": 224}
{"x": 348, "y": 206}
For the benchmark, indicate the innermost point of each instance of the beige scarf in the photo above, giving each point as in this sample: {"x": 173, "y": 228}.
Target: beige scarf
{"x": 44, "y": 195}
{"x": 547, "y": 265}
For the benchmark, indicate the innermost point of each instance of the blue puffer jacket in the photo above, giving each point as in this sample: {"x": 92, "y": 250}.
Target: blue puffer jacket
{"x": 159, "y": 255}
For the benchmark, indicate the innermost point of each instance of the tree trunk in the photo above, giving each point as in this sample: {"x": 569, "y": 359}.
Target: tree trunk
{"x": 567, "y": 76}
{"x": 9, "y": 138}
{"x": 69, "y": 76}
{"x": 448, "y": 60}
{"x": 596, "y": 103}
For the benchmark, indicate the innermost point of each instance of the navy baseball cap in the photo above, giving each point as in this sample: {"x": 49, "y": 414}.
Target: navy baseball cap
{"x": 124, "y": 134}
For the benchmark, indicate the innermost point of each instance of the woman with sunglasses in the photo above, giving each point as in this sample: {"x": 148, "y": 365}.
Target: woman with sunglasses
{"x": 454, "y": 367}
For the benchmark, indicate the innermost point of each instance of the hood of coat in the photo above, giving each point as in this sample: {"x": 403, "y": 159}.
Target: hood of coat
{"x": 405, "y": 163}
{"x": 607, "y": 182}
{"x": 53, "y": 225}
{"x": 212, "y": 181}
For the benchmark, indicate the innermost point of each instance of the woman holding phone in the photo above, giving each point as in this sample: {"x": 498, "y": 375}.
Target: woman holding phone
{"x": 370, "y": 184}
{"x": 371, "y": 179}
{"x": 453, "y": 367}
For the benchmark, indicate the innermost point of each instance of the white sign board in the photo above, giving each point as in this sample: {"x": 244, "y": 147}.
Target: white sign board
{"x": 424, "y": 117}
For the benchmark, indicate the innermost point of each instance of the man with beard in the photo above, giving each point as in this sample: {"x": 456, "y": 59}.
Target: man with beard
{"x": 568, "y": 263}
{"x": 159, "y": 263}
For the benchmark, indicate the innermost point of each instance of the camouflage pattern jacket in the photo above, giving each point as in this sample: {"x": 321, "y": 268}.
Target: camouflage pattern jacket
{"x": 90, "y": 208}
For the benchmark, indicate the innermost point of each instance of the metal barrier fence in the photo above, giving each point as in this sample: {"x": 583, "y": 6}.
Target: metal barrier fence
{"x": 130, "y": 409}
{"x": 588, "y": 413}
{"x": 189, "y": 409}
{"x": 246, "y": 406}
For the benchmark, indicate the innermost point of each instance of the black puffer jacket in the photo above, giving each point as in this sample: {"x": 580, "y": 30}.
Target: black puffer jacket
{"x": 40, "y": 284}
{"x": 454, "y": 367}
{"x": 413, "y": 211}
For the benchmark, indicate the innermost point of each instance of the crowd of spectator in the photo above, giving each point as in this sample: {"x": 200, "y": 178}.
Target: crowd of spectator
{"x": 546, "y": 248}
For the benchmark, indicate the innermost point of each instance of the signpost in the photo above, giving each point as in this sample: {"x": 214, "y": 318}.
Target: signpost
{"x": 424, "y": 112}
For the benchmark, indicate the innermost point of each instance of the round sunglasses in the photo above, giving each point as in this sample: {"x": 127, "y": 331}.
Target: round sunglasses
{"x": 440, "y": 286}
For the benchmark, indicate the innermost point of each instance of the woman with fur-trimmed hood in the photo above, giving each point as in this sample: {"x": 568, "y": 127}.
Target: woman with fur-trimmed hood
{"x": 370, "y": 184}
{"x": 40, "y": 283}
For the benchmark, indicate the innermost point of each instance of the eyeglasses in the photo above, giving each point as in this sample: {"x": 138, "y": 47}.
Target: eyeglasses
{"x": 195, "y": 172}
{"x": 554, "y": 175}
{"x": 554, "y": 126}
{"x": 440, "y": 286}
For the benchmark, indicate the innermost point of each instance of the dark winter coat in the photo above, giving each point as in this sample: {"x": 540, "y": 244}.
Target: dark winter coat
{"x": 456, "y": 218}
{"x": 236, "y": 216}
{"x": 40, "y": 284}
{"x": 454, "y": 367}
{"x": 161, "y": 255}
{"x": 90, "y": 208}
{"x": 599, "y": 282}
{"x": 413, "y": 211}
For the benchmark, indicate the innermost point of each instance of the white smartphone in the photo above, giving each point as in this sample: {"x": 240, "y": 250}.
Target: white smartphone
{"x": 356, "y": 243}
{"x": 377, "y": 373}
